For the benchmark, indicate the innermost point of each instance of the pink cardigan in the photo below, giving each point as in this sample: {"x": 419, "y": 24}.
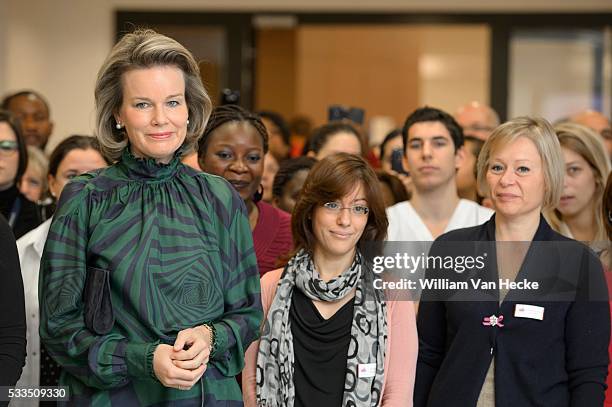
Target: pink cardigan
{"x": 400, "y": 356}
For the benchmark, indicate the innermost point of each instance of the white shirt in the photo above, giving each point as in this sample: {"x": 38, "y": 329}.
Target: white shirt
{"x": 406, "y": 225}
{"x": 30, "y": 247}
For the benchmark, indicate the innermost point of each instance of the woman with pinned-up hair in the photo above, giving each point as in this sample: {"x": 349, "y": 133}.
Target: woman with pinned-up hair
{"x": 149, "y": 291}
{"x": 233, "y": 146}
{"x": 330, "y": 338}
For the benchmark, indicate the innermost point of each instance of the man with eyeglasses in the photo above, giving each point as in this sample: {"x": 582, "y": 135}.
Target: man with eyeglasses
{"x": 477, "y": 120}
{"x": 598, "y": 122}
{"x": 33, "y": 113}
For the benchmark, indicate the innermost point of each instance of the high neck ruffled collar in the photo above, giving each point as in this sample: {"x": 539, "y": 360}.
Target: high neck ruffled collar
{"x": 148, "y": 168}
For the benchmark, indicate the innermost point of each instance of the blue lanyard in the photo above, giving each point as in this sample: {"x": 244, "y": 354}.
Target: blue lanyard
{"x": 14, "y": 212}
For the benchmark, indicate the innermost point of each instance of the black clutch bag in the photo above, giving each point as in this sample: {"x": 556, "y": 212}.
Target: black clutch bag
{"x": 99, "y": 316}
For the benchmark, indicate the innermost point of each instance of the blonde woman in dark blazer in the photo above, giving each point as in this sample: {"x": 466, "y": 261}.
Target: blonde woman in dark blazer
{"x": 545, "y": 350}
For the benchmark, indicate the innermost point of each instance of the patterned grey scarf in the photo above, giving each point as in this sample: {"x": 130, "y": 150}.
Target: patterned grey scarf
{"x": 366, "y": 354}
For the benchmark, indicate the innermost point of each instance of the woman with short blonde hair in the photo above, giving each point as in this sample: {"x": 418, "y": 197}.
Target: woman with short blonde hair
{"x": 521, "y": 170}
{"x": 149, "y": 291}
{"x": 542, "y": 135}
{"x": 135, "y": 52}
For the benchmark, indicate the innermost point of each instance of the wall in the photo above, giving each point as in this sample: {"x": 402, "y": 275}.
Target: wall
{"x": 275, "y": 67}
{"x": 374, "y": 68}
{"x": 386, "y": 69}
{"x": 533, "y": 90}
{"x": 57, "y": 46}
{"x": 453, "y": 65}
{"x": 3, "y": 41}
{"x": 369, "y": 5}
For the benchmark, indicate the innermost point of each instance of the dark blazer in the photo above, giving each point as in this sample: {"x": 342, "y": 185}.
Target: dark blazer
{"x": 558, "y": 361}
{"x": 28, "y": 215}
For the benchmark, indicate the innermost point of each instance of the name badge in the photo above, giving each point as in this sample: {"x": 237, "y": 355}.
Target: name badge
{"x": 529, "y": 311}
{"x": 366, "y": 369}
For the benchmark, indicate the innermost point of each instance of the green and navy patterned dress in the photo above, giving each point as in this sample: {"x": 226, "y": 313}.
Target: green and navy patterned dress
{"x": 179, "y": 251}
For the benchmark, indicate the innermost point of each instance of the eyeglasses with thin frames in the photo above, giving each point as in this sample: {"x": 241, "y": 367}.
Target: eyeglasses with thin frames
{"x": 336, "y": 207}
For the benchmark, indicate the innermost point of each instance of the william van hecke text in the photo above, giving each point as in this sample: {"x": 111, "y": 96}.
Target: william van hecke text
{"x": 448, "y": 284}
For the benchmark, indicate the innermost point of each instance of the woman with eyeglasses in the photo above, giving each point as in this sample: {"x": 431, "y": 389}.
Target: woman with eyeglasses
{"x": 22, "y": 215}
{"x": 329, "y": 338}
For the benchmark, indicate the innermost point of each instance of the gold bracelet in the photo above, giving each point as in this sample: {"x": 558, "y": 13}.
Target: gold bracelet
{"x": 212, "y": 338}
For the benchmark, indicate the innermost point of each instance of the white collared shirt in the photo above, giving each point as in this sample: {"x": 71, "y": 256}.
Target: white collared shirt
{"x": 406, "y": 225}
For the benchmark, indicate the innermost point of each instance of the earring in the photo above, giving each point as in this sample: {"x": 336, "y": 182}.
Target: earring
{"x": 118, "y": 126}
{"x": 187, "y": 121}
{"x": 259, "y": 194}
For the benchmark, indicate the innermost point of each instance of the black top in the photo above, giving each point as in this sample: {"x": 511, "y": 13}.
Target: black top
{"x": 28, "y": 215}
{"x": 320, "y": 348}
{"x": 559, "y": 360}
{"x": 12, "y": 317}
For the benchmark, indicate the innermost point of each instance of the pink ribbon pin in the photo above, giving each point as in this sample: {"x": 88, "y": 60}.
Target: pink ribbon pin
{"x": 493, "y": 321}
